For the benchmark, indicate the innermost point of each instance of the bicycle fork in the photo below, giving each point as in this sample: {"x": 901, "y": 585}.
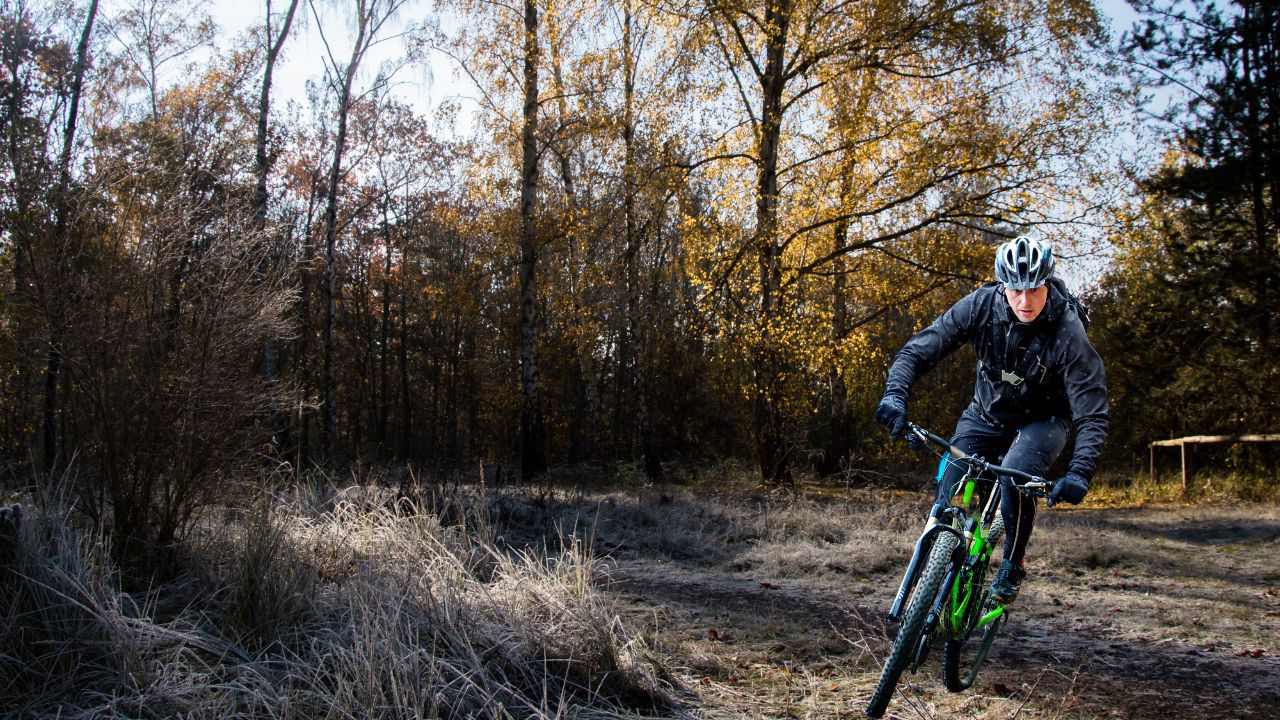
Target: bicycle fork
{"x": 913, "y": 568}
{"x": 935, "y": 612}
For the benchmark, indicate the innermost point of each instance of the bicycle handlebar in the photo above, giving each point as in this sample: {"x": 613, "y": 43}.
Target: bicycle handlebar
{"x": 1032, "y": 484}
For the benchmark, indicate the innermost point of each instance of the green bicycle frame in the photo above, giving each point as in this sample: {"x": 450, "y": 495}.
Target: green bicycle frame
{"x": 964, "y": 589}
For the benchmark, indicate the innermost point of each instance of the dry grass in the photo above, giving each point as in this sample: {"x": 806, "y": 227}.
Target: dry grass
{"x": 446, "y": 603}
{"x": 779, "y": 534}
{"x": 767, "y": 605}
{"x": 1112, "y": 490}
{"x": 298, "y": 608}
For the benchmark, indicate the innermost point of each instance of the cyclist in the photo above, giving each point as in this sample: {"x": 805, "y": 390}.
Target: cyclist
{"x": 1038, "y": 379}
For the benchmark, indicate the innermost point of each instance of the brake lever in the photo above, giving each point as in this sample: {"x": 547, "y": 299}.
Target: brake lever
{"x": 1040, "y": 488}
{"x": 914, "y": 440}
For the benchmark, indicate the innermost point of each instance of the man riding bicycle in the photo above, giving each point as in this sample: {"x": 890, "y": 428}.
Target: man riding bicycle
{"x": 1038, "y": 379}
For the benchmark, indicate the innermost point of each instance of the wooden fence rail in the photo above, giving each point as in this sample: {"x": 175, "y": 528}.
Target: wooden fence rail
{"x": 1183, "y": 442}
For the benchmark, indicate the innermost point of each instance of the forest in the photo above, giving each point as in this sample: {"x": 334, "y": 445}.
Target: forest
{"x": 654, "y": 244}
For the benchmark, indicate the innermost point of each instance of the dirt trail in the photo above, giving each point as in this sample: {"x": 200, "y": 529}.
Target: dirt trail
{"x": 1169, "y": 613}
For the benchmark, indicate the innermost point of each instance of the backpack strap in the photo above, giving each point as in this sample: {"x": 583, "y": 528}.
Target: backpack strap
{"x": 1082, "y": 310}
{"x": 1030, "y": 356}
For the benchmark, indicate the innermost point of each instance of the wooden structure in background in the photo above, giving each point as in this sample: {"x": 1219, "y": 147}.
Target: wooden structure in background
{"x": 1183, "y": 442}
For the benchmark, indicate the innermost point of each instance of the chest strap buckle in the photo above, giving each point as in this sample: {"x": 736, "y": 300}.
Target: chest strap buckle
{"x": 1010, "y": 378}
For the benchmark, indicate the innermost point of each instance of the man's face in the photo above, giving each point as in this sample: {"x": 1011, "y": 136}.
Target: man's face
{"x": 1027, "y": 304}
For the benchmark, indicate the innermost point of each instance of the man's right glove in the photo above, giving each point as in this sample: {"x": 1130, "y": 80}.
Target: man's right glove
{"x": 892, "y": 413}
{"x": 1070, "y": 488}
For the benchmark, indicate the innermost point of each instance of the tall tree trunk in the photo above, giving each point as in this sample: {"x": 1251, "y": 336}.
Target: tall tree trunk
{"x": 384, "y": 395}
{"x": 274, "y": 44}
{"x": 774, "y": 457}
{"x": 838, "y": 447}
{"x": 279, "y": 428}
{"x": 586, "y": 362}
{"x": 533, "y": 460}
{"x": 329, "y": 410}
{"x": 302, "y": 362}
{"x": 637, "y": 359}
{"x": 402, "y": 357}
{"x": 53, "y": 363}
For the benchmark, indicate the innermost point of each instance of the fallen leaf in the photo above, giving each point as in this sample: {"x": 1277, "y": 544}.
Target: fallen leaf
{"x": 767, "y": 585}
{"x": 705, "y": 681}
{"x": 1250, "y": 652}
{"x": 713, "y": 634}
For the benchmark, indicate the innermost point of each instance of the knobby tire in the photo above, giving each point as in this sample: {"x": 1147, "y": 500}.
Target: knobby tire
{"x": 995, "y": 534}
{"x": 918, "y": 607}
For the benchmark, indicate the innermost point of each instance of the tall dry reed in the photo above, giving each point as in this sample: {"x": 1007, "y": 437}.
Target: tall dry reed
{"x": 295, "y": 608}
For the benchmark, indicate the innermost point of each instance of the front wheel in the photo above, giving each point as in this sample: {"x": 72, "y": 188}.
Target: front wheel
{"x": 918, "y": 607}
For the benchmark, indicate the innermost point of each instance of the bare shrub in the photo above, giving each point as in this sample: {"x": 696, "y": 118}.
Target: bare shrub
{"x": 163, "y": 402}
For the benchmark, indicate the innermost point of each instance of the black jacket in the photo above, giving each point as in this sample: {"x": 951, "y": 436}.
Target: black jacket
{"x": 1066, "y": 379}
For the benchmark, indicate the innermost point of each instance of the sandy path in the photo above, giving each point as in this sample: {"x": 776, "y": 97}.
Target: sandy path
{"x": 1184, "y": 627}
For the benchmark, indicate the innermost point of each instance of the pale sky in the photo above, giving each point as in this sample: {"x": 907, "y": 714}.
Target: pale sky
{"x": 423, "y": 87}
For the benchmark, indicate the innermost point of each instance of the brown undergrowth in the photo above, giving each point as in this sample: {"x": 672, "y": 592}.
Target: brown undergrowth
{"x": 310, "y": 606}
{"x": 721, "y": 600}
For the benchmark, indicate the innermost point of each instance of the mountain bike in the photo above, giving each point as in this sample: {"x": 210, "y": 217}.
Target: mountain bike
{"x": 944, "y": 588}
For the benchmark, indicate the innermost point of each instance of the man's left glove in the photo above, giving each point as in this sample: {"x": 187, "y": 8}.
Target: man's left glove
{"x": 1070, "y": 488}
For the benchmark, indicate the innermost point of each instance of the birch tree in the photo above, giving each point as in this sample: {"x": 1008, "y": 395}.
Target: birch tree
{"x": 370, "y": 19}
{"x": 274, "y": 42}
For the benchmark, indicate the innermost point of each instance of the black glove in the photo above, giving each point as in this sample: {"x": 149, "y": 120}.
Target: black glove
{"x": 1070, "y": 488}
{"x": 892, "y": 413}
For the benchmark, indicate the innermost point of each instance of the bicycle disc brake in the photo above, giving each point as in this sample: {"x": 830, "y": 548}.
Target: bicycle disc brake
{"x": 922, "y": 650}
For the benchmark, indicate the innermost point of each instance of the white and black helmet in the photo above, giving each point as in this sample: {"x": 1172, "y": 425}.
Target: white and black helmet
{"x": 1024, "y": 263}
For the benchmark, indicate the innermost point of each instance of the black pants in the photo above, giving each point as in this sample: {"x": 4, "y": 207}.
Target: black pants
{"x": 1031, "y": 448}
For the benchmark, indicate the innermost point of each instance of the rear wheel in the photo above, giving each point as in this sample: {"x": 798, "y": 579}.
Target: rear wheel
{"x": 995, "y": 534}
{"x": 962, "y": 657}
{"x": 918, "y": 607}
